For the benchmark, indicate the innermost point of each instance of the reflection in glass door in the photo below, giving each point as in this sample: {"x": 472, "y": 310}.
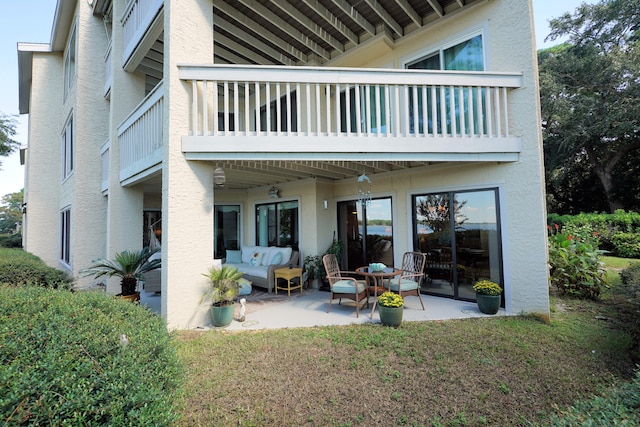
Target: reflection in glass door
{"x": 367, "y": 233}
{"x": 459, "y": 233}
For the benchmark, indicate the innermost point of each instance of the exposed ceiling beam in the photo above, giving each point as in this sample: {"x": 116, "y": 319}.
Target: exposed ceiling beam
{"x": 355, "y": 16}
{"x": 264, "y": 48}
{"x": 280, "y": 23}
{"x": 221, "y": 51}
{"x": 237, "y": 47}
{"x": 435, "y": 5}
{"x": 237, "y": 16}
{"x": 309, "y": 24}
{"x": 384, "y": 15}
{"x": 410, "y": 11}
{"x": 332, "y": 20}
{"x": 461, "y": 3}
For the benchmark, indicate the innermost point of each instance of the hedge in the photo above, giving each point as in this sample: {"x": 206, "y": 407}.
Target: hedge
{"x": 83, "y": 358}
{"x": 616, "y": 233}
{"x": 18, "y": 267}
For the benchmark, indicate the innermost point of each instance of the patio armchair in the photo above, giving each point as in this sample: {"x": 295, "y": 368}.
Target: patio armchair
{"x": 408, "y": 282}
{"x": 344, "y": 286}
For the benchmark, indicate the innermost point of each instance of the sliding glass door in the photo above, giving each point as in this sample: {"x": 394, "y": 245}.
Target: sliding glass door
{"x": 367, "y": 233}
{"x": 460, "y": 234}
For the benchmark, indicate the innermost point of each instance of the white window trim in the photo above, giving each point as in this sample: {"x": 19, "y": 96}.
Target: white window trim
{"x": 448, "y": 42}
{"x": 70, "y": 76}
{"x": 67, "y": 148}
{"x": 65, "y": 237}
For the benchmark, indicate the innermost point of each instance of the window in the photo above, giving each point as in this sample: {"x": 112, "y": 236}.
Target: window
{"x": 277, "y": 224}
{"x": 66, "y": 149}
{"x": 226, "y": 223}
{"x": 65, "y": 236}
{"x": 464, "y": 56}
{"x": 70, "y": 61}
{"x": 460, "y": 234}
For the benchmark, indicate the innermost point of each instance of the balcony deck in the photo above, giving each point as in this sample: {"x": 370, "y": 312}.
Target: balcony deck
{"x": 345, "y": 114}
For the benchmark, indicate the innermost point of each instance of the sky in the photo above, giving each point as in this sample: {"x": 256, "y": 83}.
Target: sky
{"x": 30, "y": 21}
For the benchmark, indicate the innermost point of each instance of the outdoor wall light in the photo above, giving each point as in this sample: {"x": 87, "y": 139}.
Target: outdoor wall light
{"x": 219, "y": 177}
{"x": 364, "y": 189}
{"x": 273, "y": 193}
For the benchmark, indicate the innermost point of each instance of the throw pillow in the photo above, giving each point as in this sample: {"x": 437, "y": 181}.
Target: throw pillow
{"x": 256, "y": 258}
{"x": 234, "y": 256}
{"x": 276, "y": 259}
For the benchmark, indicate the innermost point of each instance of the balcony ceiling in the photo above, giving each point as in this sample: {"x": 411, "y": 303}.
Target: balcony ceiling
{"x": 313, "y": 32}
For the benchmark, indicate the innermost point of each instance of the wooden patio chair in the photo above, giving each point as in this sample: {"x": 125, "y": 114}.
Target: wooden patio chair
{"x": 344, "y": 286}
{"x": 408, "y": 283}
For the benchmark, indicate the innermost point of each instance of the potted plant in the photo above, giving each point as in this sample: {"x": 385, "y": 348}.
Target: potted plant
{"x": 313, "y": 270}
{"x": 488, "y": 296}
{"x": 129, "y": 265}
{"x": 222, "y": 292}
{"x": 390, "y": 308}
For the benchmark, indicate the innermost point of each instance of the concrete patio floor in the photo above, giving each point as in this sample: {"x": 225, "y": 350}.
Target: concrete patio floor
{"x": 310, "y": 309}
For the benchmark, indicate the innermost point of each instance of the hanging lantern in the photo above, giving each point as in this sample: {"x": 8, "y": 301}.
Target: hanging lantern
{"x": 219, "y": 178}
{"x": 364, "y": 190}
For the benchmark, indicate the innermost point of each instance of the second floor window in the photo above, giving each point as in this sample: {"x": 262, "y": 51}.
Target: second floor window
{"x": 70, "y": 61}
{"x": 67, "y": 149}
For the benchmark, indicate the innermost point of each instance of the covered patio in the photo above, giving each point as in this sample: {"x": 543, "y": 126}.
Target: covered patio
{"x": 309, "y": 309}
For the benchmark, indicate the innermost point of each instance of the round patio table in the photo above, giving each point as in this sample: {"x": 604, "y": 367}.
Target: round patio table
{"x": 378, "y": 278}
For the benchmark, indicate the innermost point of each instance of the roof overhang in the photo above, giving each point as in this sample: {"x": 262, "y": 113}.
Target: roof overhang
{"x": 25, "y": 61}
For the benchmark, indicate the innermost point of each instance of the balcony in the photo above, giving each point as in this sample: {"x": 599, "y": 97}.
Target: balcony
{"x": 315, "y": 113}
{"x": 142, "y": 24}
{"x": 140, "y": 138}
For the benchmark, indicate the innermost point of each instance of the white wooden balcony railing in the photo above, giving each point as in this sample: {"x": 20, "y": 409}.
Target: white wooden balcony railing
{"x": 140, "y": 136}
{"x": 331, "y": 104}
{"x": 136, "y": 19}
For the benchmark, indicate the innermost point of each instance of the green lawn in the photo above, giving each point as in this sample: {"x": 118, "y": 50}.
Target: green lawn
{"x": 496, "y": 371}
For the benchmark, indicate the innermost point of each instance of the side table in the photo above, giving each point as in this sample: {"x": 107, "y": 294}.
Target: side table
{"x": 288, "y": 274}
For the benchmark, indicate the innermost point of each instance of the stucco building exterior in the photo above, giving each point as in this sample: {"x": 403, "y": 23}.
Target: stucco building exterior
{"x": 133, "y": 104}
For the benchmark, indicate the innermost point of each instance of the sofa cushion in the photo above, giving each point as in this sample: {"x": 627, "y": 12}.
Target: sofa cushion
{"x": 285, "y": 256}
{"x": 247, "y": 253}
{"x": 234, "y": 256}
{"x": 256, "y": 259}
{"x": 251, "y": 270}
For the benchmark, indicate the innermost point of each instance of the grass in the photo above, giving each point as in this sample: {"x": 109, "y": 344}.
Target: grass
{"x": 507, "y": 371}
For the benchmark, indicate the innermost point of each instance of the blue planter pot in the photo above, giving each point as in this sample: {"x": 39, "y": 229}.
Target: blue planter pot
{"x": 222, "y": 316}
{"x": 488, "y": 304}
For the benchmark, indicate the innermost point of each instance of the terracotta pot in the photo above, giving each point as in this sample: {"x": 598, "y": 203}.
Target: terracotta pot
{"x": 133, "y": 297}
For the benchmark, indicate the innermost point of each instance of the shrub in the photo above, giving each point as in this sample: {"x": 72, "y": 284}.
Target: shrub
{"x": 575, "y": 267}
{"x": 627, "y": 245}
{"x": 630, "y": 277}
{"x": 10, "y": 240}
{"x": 487, "y": 287}
{"x": 617, "y": 408}
{"x": 83, "y": 358}
{"x": 22, "y": 268}
{"x": 603, "y": 225}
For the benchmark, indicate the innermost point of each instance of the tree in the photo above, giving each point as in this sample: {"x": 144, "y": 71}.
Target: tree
{"x": 11, "y": 212}
{"x": 590, "y": 96}
{"x": 7, "y": 131}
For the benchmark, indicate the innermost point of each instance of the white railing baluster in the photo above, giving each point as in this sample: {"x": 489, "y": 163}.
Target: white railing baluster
{"x": 194, "y": 105}
{"x": 247, "y": 115}
{"x": 205, "y": 108}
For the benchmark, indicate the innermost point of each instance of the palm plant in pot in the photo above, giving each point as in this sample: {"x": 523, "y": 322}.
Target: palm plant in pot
{"x": 488, "y": 296}
{"x": 222, "y": 293}
{"x": 129, "y": 265}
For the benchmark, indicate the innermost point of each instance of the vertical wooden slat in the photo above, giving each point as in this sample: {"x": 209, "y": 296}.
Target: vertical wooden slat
{"x": 327, "y": 104}
{"x": 472, "y": 115}
{"x": 397, "y": 130}
{"x": 488, "y": 106}
{"x": 205, "y": 108}
{"x": 337, "y": 107}
{"x": 358, "y": 112}
{"x": 452, "y": 110}
{"x": 288, "y": 89}
{"x": 416, "y": 111}
{"x": 257, "y": 103}
{"x": 247, "y": 110}
{"x": 267, "y": 95}
{"x": 236, "y": 107}
{"x": 225, "y": 108}
{"x": 194, "y": 107}
{"x": 347, "y": 106}
{"x": 505, "y": 109}
{"x": 216, "y": 102}
{"x": 434, "y": 110}
{"x": 463, "y": 129}
{"x": 298, "y": 108}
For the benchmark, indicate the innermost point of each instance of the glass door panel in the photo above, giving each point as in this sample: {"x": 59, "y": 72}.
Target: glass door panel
{"x": 226, "y": 223}
{"x": 367, "y": 233}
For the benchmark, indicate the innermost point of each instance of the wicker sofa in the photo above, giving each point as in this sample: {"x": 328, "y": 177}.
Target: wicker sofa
{"x": 259, "y": 263}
